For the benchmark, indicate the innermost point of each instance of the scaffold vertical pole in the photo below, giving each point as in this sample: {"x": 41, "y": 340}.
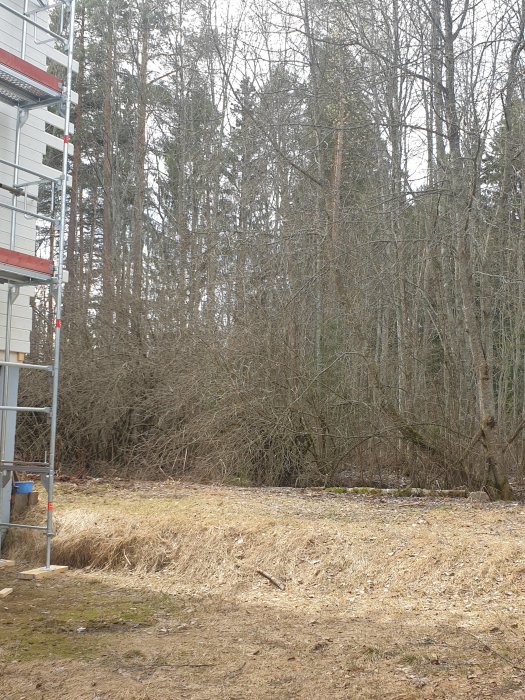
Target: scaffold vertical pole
{"x": 58, "y": 285}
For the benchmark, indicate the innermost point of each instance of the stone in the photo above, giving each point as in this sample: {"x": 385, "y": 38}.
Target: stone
{"x": 478, "y": 497}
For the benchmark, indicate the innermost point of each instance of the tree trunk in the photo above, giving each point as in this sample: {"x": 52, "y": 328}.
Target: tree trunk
{"x": 137, "y": 302}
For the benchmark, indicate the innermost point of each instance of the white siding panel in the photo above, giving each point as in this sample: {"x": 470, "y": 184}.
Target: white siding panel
{"x": 20, "y": 304}
{"x": 21, "y": 323}
{"x": 18, "y": 336}
{"x": 56, "y": 143}
{"x": 61, "y": 58}
{"x": 34, "y": 142}
{"x": 53, "y": 119}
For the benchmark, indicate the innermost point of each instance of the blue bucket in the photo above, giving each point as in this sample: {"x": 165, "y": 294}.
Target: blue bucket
{"x": 24, "y": 486}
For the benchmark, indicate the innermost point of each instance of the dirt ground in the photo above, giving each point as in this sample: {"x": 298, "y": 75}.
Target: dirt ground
{"x": 394, "y": 599}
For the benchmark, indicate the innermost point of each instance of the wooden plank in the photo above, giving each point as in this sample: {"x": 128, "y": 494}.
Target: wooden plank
{"x": 5, "y": 592}
{"x": 6, "y": 563}
{"x": 20, "y": 504}
{"x": 42, "y": 572}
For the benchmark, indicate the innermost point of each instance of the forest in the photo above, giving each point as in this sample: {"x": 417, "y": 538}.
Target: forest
{"x": 295, "y": 246}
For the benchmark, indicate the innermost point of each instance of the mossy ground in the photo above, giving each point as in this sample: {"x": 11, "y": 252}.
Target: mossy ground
{"x": 146, "y": 646}
{"x": 70, "y": 618}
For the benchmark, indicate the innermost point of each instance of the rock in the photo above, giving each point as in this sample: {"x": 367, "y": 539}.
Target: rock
{"x": 478, "y": 497}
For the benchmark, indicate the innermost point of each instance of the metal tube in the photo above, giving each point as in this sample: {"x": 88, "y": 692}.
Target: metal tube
{"x": 28, "y": 170}
{"x": 12, "y": 237}
{"x": 23, "y": 185}
{"x": 5, "y": 373}
{"x": 32, "y": 22}
{"x": 25, "y": 365}
{"x": 25, "y": 470}
{"x": 47, "y": 7}
{"x": 59, "y": 290}
{"x": 20, "y": 463}
{"x": 12, "y": 294}
{"x": 26, "y": 409}
{"x": 24, "y": 31}
{"x": 35, "y": 215}
{"x": 22, "y": 527}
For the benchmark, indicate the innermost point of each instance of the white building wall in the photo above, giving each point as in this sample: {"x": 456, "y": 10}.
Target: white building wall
{"x": 32, "y": 149}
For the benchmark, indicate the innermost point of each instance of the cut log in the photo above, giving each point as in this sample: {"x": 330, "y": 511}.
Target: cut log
{"x": 406, "y": 492}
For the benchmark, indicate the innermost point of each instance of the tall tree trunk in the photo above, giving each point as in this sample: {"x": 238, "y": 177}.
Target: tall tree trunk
{"x": 137, "y": 302}
{"x": 107, "y": 303}
{"x": 461, "y": 203}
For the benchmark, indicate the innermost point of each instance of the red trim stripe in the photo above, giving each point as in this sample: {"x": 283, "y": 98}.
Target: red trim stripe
{"x": 28, "y": 262}
{"x": 29, "y": 71}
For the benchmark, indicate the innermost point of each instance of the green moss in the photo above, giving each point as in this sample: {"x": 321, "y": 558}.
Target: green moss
{"x": 404, "y": 492}
{"x": 25, "y": 639}
{"x": 105, "y": 614}
{"x": 366, "y": 490}
{"x": 242, "y": 481}
{"x": 34, "y": 644}
{"x": 71, "y": 620}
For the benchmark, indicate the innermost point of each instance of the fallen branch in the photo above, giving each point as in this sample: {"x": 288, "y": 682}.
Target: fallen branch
{"x": 487, "y": 647}
{"x": 514, "y": 435}
{"x": 370, "y": 491}
{"x": 5, "y": 592}
{"x": 278, "y": 584}
{"x": 473, "y": 442}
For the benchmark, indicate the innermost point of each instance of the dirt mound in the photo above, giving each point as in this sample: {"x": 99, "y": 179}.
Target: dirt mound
{"x": 323, "y": 545}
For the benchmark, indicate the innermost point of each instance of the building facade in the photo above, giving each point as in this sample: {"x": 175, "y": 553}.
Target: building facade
{"x": 31, "y": 123}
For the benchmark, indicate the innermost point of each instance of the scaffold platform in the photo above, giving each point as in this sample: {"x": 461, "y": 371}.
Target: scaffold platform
{"x": 24, "y": 85}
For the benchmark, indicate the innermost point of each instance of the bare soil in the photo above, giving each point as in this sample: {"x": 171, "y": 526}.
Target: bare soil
{"x": 394, "y": 599}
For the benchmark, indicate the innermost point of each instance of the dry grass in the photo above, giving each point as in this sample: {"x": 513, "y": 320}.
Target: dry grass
{"x": 326, "y": 548}
{"x": 399, "y": 599}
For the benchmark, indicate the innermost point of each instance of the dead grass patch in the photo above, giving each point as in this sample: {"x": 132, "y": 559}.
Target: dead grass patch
{"x": 383, "y": 600}
{"x": 209, "y": 539}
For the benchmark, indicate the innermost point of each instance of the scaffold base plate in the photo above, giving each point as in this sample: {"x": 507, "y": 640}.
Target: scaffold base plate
{"x": 6, "y": 563}
{"x": 42, "y": 572}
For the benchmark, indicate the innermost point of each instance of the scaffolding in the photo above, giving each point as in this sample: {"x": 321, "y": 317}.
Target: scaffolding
{"x": 25, "y": 87}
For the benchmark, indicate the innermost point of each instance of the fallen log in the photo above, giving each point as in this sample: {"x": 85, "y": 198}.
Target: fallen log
{"x": 403, "y": 492}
